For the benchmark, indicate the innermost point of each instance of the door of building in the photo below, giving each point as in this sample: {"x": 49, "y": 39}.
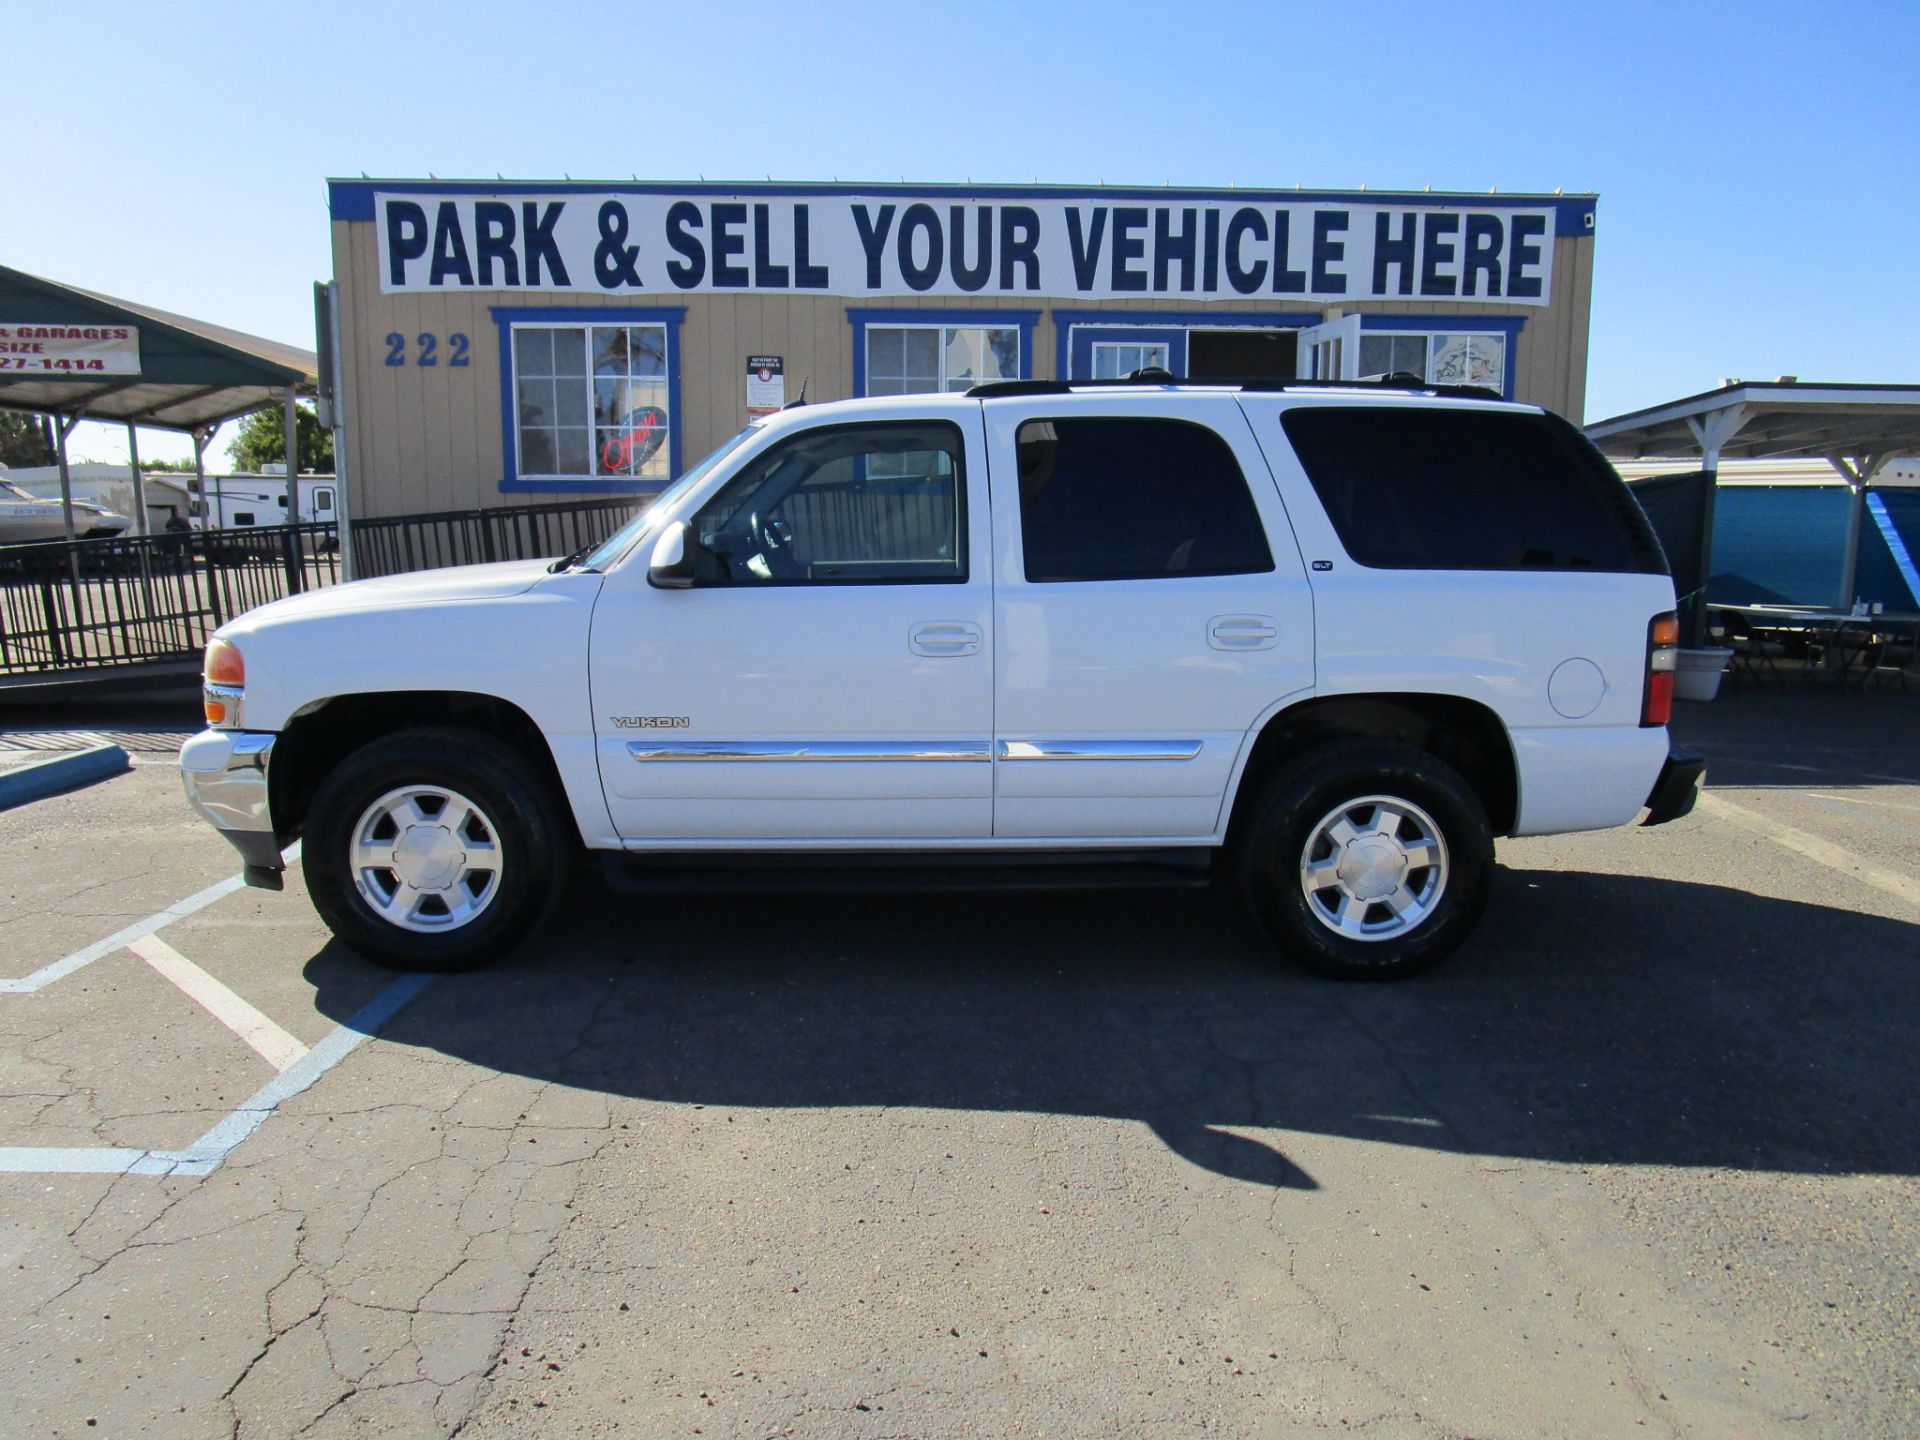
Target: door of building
{"x": 1242, "y": 354}
{"x": 1331, "y": 351}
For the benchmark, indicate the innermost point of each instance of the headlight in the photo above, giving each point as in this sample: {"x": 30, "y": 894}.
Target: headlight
{"x": 224, "y": 683}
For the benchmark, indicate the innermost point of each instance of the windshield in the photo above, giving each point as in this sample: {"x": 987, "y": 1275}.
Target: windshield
{"x": 7, "y": 487}
{"x": 638, "y": 528}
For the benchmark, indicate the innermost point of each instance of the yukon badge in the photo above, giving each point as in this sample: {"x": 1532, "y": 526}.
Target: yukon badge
{"x": 650, "y": 722}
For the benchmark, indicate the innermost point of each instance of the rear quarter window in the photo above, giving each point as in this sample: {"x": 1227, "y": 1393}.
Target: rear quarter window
{"x": 1432, "y": 489}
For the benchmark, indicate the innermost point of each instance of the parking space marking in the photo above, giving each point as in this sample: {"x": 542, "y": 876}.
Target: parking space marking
{"x": 120, "y": 939}
{"x": 275, "y": 1045}
{"x": 204, "y": 1155}
{"x": 1812, "y": 847}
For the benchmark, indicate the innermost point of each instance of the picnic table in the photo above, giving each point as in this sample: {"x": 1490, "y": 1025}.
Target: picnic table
{"x": 1839, "y": 643}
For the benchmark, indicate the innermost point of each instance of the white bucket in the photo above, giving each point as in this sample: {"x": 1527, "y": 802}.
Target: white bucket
{"x": 1697, "y": 673}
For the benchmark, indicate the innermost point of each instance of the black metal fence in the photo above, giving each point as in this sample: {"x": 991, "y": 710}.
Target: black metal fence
{"x": 89, "y": 604}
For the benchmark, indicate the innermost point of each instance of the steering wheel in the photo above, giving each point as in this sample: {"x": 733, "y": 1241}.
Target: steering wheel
{"x": 773, "y": 541}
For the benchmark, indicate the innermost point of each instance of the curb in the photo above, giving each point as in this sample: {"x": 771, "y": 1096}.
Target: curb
{"x": 39, "y": 778}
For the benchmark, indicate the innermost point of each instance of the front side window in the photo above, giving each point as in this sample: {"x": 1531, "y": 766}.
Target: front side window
{"x": 849, "y": 504}
{"x": 592, "y": 401}
{"x": 1439, "y": 358}
{"x": 923, "y": 359}
{"x": 1118, "y": 498}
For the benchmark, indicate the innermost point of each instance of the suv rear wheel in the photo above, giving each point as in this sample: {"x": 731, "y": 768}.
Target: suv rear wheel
{"x": 1367, "y": 860}
{"x": 431, "y": 849}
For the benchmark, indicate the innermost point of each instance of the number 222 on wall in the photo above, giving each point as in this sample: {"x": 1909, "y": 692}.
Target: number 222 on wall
{"x": 427, "y": 351}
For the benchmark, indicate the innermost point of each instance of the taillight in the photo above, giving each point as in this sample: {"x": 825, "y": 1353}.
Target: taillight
{"x": 225, "y": 681}
{"x": 1663, "y": 642}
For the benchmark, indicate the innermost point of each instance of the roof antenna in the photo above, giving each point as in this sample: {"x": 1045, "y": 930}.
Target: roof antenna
{"x": 801, "y": 398}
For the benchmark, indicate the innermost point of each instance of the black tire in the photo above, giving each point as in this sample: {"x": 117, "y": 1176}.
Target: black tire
{"x": 1380, "y": 942}
{"x": 513, "y": 811}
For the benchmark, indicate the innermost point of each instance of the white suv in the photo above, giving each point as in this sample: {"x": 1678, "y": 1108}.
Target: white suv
{"x": 1324, "y": 642}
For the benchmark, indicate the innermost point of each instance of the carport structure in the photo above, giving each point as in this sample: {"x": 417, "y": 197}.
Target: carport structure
{"x": 1857, "y": 428}
{"x": 174, "y": 373}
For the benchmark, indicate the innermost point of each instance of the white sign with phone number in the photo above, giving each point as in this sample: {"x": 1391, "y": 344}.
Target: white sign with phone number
{"x": 70, "y": 349}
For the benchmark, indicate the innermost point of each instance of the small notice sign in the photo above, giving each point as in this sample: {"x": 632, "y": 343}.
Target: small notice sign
{"x": 42, "y": 349}
{"x": 766, "y": 384}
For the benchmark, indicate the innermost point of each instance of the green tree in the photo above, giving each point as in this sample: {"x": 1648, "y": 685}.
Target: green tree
{"x": 23, "y": 440}
{"x": 182, "y": 467}
{"x": 263, "y": 441}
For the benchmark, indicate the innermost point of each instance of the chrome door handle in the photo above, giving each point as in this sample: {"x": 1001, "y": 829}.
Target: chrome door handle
{"x": 939, "y": 638}
{"x": 1243, "y": 632}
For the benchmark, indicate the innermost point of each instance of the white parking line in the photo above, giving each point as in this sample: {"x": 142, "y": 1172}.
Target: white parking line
{"x": 120, "y": 939}
{"x": 1812, "y": 847}
{"x": 275, "y": 1045}
{"x": 204, "y": 1155}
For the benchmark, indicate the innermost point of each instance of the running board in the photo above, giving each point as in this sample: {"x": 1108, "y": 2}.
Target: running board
{"x": 648, "y": 873}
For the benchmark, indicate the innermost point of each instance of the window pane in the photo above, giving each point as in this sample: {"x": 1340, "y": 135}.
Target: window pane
{"x": 1003, "y": 355}
{"x": 1487, "y": 361}
{"x": 1106, "y": 362}
{"x": 536, "y": 402}
{"x": 857, "y": 504}
{"x": 572, "y": 458}
{"x": 1464, "y": 489}
{"x": 569, "y": 352}
{"x": 570, "y": 402}
{"x": 536, "y": 452}
{"x": 964, "y": 363}
{"x": 609, "y": 401}
{"x": 533, "y": 351}
{"x": 647, "y": 350}
{"x": 1134, "y": 499}
{"x": 922, "y": 361}
{"x": 886, "y": 353}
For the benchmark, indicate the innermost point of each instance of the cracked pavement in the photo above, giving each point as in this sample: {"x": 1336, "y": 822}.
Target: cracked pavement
{"x": 1640, "y": 1160}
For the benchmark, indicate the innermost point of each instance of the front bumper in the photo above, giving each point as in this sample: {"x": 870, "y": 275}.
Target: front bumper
{"x": 1677, "y": 788}
{"x": 224, "y": 773}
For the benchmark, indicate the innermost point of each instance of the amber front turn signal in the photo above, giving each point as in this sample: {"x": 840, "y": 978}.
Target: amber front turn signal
{"x": 225, "y": 676}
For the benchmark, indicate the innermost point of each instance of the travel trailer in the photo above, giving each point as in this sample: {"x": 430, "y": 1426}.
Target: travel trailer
{"x": 238, "y": 502}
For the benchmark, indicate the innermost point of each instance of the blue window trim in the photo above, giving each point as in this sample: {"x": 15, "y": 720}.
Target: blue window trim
{"x": 1065, "y": 320}
{"x": 861, "y": 318}
{"x": 1507, "y": 325}
{"x": 505, "y": 317}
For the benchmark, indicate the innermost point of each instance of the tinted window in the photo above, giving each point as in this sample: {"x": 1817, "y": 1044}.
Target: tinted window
{"x": 1126, "y": 499}
{"x": 1417, "y": 489}
{"x": 851, "y": 504}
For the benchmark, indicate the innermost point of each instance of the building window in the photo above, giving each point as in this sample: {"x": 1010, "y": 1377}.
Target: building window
{"x": 1114, "y": 360}
{"x": 1439, "y": 358}
{"x": 592, "y": 401}
{"x": 915, "y": 359}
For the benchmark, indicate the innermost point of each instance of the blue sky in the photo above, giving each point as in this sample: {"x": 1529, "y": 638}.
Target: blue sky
{"x": 1757, "y": 165}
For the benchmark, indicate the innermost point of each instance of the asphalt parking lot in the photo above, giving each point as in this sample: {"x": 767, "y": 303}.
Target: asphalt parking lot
{"x": 1641, "y": 1159}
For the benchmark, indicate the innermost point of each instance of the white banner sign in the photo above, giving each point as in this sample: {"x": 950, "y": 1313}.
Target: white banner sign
{"x": 38, "y": 348}
{"x": 1087, "y": 248}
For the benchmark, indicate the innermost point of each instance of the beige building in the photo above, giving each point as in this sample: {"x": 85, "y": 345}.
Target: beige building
{"x": 504, "y": 342}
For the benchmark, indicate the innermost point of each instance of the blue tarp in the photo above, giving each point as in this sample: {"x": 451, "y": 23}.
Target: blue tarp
{"x": 1786, "y": 544}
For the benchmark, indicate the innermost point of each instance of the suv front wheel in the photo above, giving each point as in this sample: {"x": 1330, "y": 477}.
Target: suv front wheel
{"x": 1367, "y": 860}
{"x": 431, "y": 849}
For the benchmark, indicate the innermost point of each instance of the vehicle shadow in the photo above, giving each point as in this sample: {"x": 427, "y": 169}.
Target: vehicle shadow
{"x": 1595, "y": 1019}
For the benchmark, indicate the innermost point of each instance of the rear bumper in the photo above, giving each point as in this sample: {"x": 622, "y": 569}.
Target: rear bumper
{"x": 224, "y": 773}
{"x": 1677, "y": 788}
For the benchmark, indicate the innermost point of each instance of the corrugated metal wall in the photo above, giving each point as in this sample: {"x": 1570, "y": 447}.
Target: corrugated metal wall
{"x": 429, "y": 438}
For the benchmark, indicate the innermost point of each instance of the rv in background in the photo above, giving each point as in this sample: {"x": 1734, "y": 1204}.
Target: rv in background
{"x": 237, "y": 502}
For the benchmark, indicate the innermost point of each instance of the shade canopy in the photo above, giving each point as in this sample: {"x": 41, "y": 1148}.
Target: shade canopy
{"x": 182, "y": 374}
{"x": 1778, "y": 418}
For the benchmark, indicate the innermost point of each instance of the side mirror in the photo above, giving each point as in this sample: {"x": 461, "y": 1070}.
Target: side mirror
{"x": 672, "y": 565}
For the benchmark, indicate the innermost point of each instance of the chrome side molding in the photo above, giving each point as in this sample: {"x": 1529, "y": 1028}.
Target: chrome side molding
{"x": 1099, "y": 749}
{"x": 854, "y": 751}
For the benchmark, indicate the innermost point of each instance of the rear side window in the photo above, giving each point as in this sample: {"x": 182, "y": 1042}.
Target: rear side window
{"x": 1416, "y": 489}
{"x": 1117, "y": 498}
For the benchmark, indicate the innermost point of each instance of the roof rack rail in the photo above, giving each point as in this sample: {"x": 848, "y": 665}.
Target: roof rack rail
{"x": 1010, "y": 389}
